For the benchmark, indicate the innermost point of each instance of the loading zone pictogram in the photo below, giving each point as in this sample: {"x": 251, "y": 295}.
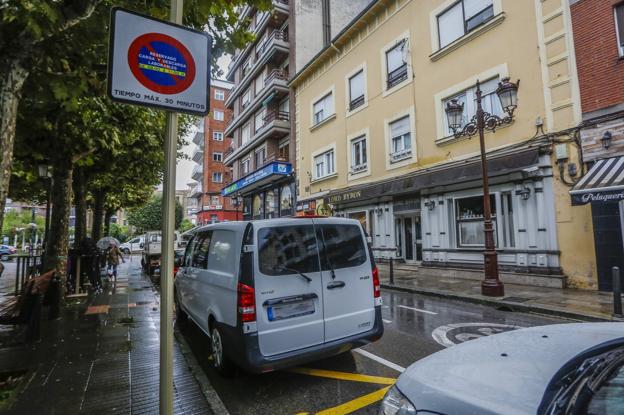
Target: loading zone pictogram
{"x": 161, "y": 63}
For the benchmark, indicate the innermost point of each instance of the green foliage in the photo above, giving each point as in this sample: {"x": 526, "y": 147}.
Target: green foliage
{"x": 120, "y": 232}
{"x": 186, "y": 225}
{"x": 149, "y": 217}
{"x": 17, "y": 223}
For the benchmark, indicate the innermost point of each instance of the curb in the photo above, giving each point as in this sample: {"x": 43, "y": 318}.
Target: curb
{"x": 216, "y": 404}
{"x": 500, "y": 303}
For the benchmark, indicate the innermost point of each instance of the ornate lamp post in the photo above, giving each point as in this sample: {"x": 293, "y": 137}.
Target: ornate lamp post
{"x": 44, "y": 173}
{"x": 508, "y": 94}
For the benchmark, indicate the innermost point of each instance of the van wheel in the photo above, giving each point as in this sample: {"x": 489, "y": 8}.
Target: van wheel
{"x": 223, "y": 365}
{"x": 126, "y": 251}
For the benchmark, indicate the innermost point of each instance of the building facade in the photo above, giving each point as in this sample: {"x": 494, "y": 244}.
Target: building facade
{"x": 373, "y": 142}
{"x": 210, "y": 172}
{"x": 598, "y": 27}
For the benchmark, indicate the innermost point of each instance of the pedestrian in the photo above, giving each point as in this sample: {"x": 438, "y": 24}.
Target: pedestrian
{"x": 113, "y": 256}
{"x": 91, "y": 262}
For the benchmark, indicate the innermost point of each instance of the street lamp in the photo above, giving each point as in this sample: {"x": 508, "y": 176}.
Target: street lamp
{"x": 44, "y": 170}
{"x": 508, "y": 95}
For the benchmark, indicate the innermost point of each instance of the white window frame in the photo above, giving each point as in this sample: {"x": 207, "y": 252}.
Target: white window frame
{"x": 620, "y": 42}
{"x": 212, "y": 200}
{"x": 358, "y": 174}
{"x": 259, "y": 80}
{"x": 217, "y": 177}
{"x": 246, "y": 98}
{"x": 219, "y": 95}
{"x": 359, "y": 149}
{"x": 246, "y": 166}
{"x": 360, "y": 68}
{"x": 217, "y": 135}
{"x": 500, "y": 71}
{"x": 405, "y": 36}
{"x": 260, "y": 113}
{"x": 328, "y": 155}
{"x": 394, "y": 161}
{"x": 217, "y": 156}
{"x": 221, "y": 117}
{"x": 331, "y": 113}
{"x": 256, "y": 152}
{"x": 248, "y": 127}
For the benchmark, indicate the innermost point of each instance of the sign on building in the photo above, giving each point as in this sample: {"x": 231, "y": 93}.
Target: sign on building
{"x": 158, "y": 64}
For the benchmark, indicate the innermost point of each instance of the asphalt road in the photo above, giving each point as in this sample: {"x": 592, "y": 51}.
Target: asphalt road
{"x": 415, "y": 327}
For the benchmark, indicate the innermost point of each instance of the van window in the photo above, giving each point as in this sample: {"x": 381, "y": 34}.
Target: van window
{"x": 221, "y": 255}
{"x": 188, "y": 253}
{"x": 286, "y": 248}
{"x": 200, "y": 252}
{"x": 344, "y": 245}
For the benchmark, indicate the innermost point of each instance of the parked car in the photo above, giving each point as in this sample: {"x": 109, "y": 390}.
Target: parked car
{"x": 151, "y": 253}
{"x": 133, "y": 246}
{"x": 556, "y": 369}
{"x": 5, "y": 251}
{"x": 280, "y": 292}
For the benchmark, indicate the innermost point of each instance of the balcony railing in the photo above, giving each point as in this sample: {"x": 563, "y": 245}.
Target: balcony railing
{"x": 198, "y": 172}
{"x": 357, "y": 102}
{"x": 397, "y": 76}
{"x": 275, "y": 115}
{"x": 275, "y": 35}
{"x": 278, "y": 74}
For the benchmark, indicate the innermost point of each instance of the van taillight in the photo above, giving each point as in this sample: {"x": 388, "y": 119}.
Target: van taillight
{"x": 246, "y": 303}
{"x": 376, "y": 286}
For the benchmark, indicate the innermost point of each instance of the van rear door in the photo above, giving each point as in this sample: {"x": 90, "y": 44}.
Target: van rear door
{"x": 288, "y": 289}
{"x": 348, "y": 297}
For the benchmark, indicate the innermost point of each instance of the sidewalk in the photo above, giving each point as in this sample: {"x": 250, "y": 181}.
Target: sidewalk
{"x": 100, "y": 357}
{"x": 588, "y": 305}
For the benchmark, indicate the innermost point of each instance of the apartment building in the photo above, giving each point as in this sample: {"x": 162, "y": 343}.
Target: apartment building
{"x": 598, "y": 27}
{"x": 210, "y": 171}
{"x": 373, "y": 140}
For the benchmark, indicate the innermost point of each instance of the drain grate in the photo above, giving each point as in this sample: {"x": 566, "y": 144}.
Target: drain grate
{"x": 516, "y": 299}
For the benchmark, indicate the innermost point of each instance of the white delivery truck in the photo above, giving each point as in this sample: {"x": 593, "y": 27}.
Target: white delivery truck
{"x": 152, "y": 250}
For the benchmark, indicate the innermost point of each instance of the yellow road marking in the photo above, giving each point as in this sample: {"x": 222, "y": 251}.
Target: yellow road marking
{"x": 343, "y": 375}
{"x": 357, "y": 403}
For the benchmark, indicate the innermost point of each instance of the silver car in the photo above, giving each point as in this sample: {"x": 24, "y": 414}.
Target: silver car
{"x": 556, "y": 369}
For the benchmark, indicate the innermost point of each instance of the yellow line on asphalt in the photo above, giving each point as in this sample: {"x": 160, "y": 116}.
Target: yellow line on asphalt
{"x": 355, "y": 377}
{"x": 354, "y": 405}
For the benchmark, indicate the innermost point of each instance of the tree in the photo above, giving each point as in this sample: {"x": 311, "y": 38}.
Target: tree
{"x": 149, "y": 217}
{"x": 186, "y": 225}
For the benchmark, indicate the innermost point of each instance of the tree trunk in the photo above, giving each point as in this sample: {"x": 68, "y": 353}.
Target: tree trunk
{"x": 57, "y": 244}
{"x": 107, "y": 218}
{"x": 80, "y": 201}
{"x": 12, "y": 77}
{"x": 98, "y": 213}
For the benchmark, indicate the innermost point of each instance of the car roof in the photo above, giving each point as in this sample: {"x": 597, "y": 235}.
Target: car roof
{"x": 241, "y": 225}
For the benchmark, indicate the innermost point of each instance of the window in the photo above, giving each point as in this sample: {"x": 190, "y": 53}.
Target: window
{"x": 217, "y": 177}
{"x": 218, "y": 115}
{"x": 270, "y": 201}
{"x": 619, "y": 26}
{"x": 344, "y": 246}
{"x": 246, "y": 98}
{"x": 283, "y": 151}
{"x": 461, "y": 18}
{"x": 246, "y": 66}
{"x": 286, "y": 201}
{"x": 217, "y": 156}
{"x": 257, "y": 211}
{"x": 286, "y": 250}
{"x": 222, "y": 251}
{"x": 358, "y": 154}
{"x": 489, "y": 100}
{"x": 259, "y": 157}
{"x": 217, "y": 135}
{"x": 259, "y": 119}
{"x": 200, "y": 251}
{"x": 400, "y": 139}
{"x": 219, "y": 95}
{"x": 245, "y": 133}
{"x": 214, "y": 200}
{"x": 356, "y": 90}
{"x": 259, "y": 83}
{"x": 396, "y": 65}
{"x": 323, "y": 109}
{"x": 324, "y": 164}
{"x": 469, "y": 216}
{"x": 245, "y": 166}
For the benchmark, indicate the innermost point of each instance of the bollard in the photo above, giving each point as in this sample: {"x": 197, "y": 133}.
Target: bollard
{"x": 617, "y": 292}
{"x": 391, "y": 271}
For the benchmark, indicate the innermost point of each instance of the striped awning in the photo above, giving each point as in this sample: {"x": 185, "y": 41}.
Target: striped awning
{"x": 604, "y": 182}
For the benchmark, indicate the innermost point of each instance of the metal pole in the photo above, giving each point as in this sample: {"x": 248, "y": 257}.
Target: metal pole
{"x": 617, "y": 292}
{"x": 491, "y": 286}
{"x": 166, "y": 266}
{"x": 391, "y": 271}
{"x": 78, "y": 271}
{"x": 47, "y": 218}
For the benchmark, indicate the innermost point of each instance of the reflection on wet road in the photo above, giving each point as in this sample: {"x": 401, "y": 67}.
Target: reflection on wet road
{"x": 356, "y": 381}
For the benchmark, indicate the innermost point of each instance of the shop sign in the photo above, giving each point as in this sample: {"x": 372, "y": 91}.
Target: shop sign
{"x": 268, "y": 170}
{"x": 344, "y": 197}
{"x": 213, "y": 207}
{"x": 304, "y": 206}
{"x": 600, "y": 197}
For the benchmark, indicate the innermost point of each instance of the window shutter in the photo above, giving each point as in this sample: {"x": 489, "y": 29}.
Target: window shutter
{"x": 400, "y": 127}
{"x": 356, "y": 86}
{"x": 451, "y": 25}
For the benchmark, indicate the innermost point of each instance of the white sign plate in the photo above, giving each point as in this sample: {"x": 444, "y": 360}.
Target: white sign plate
{"x": 158, "y": 64}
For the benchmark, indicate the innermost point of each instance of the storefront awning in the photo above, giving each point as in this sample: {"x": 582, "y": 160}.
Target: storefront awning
{"x": 259, "y": 178}
{"x": 604, "y": 182}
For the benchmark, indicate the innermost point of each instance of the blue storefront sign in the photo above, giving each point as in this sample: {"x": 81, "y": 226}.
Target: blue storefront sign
{"x": 277, "y": 168}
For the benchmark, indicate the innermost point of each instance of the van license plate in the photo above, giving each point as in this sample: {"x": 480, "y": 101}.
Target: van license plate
{"x": 284, "y": 311}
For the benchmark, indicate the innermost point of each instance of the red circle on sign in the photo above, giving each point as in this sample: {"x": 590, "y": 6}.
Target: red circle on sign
{"x": 145, "y": 41}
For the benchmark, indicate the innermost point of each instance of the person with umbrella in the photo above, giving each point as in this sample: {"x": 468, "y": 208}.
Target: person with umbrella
{"x": 113, "y": 255}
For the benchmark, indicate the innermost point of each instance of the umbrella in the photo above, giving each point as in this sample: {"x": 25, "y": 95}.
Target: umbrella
{"x": 107, "y": 242}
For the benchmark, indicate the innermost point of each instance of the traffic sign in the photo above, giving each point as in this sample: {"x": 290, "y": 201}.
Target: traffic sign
{"x": 158, "y": 64}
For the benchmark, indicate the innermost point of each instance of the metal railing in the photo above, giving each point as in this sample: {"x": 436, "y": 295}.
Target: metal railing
{"x": 276, "y": 74}
{"x": 275, "y": 115}
{"x": 275, "y": 35}
{"x": 27, "y": 266}
{"x": 397, "y": 76}
{"x": 357, "y": 102}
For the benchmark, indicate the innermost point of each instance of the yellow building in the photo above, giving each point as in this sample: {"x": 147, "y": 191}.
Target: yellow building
{"x": 372, "y": 140}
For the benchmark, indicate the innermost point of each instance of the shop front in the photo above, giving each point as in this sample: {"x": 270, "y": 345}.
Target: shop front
{"x": 408, "y": 229}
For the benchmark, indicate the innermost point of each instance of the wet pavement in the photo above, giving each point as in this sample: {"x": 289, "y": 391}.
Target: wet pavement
{"x": 356, "y": 381}
{"x": 101, "y": 357}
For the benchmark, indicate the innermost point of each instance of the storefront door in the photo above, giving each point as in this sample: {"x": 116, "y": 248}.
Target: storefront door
{"x": 410, "y": 239}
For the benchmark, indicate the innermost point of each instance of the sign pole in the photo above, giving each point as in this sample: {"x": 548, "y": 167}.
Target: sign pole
{"x": 166, "y": 268}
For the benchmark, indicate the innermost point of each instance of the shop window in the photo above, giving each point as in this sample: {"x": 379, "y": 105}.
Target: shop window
{"x": 396, "y": 66}
{"x": 400, "y": 139}
{"x": 247, "y": 202}
{"x": 506, "y": 219}
{"x": 358, "y": 154}
{"x": 489, "y": 101}
{"x": 469, "y": 220}
{"x": 257, "y": 211}
{"x": 461, "y": 18}
{"x": 324, "y": 164}
{"x": 323, "y": 109}
{"x": 286, "y": 201}
{"x": 619, "y": 27}
{"x": 270, "y": 204}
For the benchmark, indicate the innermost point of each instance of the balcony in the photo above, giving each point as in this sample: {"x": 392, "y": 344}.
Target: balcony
{"x": 276, "y": 124}
{"x": 197, "y": 190}
{"x": 198, "y": 138}
{"x": 198, "y": 155}
{"x": 274, "y": 50}
{"x": 275, "y": 87}
{"x": 198, "y": 172}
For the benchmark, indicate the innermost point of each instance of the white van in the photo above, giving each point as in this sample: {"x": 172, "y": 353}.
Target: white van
{"x": 280, "y": 292}
{"x": 133, "y": 246}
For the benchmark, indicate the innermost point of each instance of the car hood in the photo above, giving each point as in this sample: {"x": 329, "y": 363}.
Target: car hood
{"x": 505, "y": 373}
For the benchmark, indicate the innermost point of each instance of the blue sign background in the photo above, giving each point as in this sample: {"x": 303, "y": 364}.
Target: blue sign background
{"x": 270, "y": 169}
